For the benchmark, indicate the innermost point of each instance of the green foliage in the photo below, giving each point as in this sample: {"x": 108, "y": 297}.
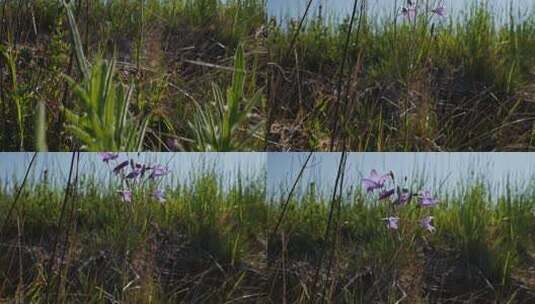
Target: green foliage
{"x": 216, "y": 126}
{"x": 218, "y": 229}
{"x": 76, "y": 40}
{"x": 492, "y": 238}
{"x": 40, "y": 129}
{"x": 17, "y": 95}
{"x": 203, "y": 10}
{"x": 411, "y": 85}
{"x": 105, "y": 122}
{"x": 206, "y": 224}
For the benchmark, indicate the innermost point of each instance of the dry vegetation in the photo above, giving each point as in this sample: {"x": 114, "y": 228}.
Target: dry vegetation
{"x": 189, "y": 67}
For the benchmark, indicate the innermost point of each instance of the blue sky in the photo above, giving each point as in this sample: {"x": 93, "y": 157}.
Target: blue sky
{"x": 291, "y": 8}
{"x": 438, "y": 170}
{"x": 182, "y": 165}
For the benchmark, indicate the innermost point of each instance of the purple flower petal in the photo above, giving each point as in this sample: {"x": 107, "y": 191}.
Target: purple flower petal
{"x": 409, "y": 12}
{"x": 370, "y": 185}
{"x": 144, "y": 169}
{"x": 159, "y": 195}
{"x": 427, "y": 224}
{"x": 120, "y": 167}
{"x": 439, "y": 11}
{"x": 374, "y": 181}
{"x": 126, "y": 195}
{"x": 404, "y": 197}
{"x": 134, "y": 174}
{"x": 386, "y": 194}
{"x": 158, "y": 171}
{"x": 427, "y": 200}
{"x": 392, "y": 222}
{"x": 107, "y": 156}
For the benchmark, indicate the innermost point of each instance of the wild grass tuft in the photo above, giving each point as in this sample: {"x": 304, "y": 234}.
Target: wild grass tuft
{"x": 105, "y": 122}
{"x": 216, "y": 126}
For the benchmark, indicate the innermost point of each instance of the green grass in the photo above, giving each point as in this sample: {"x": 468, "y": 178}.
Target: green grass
{"x": 209, "y": 243}
{"x": 461, "y": 84}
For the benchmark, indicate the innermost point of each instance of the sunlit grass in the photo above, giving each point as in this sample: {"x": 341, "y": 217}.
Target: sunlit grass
{"x": 432, "y": 83}
{"x": 209, "y": 242}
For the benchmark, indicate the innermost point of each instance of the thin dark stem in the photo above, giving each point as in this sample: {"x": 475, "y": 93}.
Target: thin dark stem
{"x": 20, "y": 230}
{"x": 2, "y": 34}
{"x": 276, "y": 79}
{"x": 65, "y": 93}
{"x": 17, "y": 33}
{"x": 17, "y": 196}
{"x": 281, "y": 218}
{"x": 59, "y": 228}
{"x": 347, "y": 108}
{"x": 298, "y": 30}
{"x": 72, "y": 224}
{"x": 5, "y": 138}
{"x": 337, "y": 207}
{"x": 341, "y": 168}
{"x": 3, "y": 19}
{"x": 341, "y": 77}
{"x": 290, "y": 194}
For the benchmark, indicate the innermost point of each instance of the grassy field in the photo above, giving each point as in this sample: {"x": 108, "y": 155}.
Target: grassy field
{"x": 217, "y": 241}
{"x": 202, "y": 75}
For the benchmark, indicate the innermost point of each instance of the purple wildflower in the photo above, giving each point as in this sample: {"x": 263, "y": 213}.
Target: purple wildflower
{"x": 158, "y": 171}
{"x": 120, "y": 167}
{"x": 427, "y": 199}
{"x": 126, "y": 195}
{"x": 135, "y": 165}
{"x": 144, "y": 169}
{"x": 427, "y": 224}
{"x": 439, "y": 11}
{"x": 409, "y": 12}
{"x": 134, "y": 173}
{"x": 159, "y": 195}
{"x": 107, "y": 156}
{"x": 374, "y": 181}
{"x": 386, "y": 194}
{"x": 404, "y": 197}
{"x": 392, "y": 222}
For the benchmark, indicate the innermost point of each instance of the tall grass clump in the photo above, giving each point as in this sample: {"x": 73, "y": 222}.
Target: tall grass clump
{"x": 419, "y": 78}
{"x": 392, "y": 246}
{"x": 17, "y": 98}
{"x": 216, "y": 126}
{"x": 106, "y": 123}
{"x": 413, "y": 77}
{"x": 147, "y": 238}
{"x": 135, "y": 235}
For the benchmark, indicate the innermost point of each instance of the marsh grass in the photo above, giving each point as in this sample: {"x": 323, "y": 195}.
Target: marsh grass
{"x": 463, "y": 83}
{"x": 211, "y": 242}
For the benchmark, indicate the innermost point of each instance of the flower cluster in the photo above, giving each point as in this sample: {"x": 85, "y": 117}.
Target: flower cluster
{"x": 134, "y": 175}
{"x": 412, "y": 10}
{"x": 399, "y": 197}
